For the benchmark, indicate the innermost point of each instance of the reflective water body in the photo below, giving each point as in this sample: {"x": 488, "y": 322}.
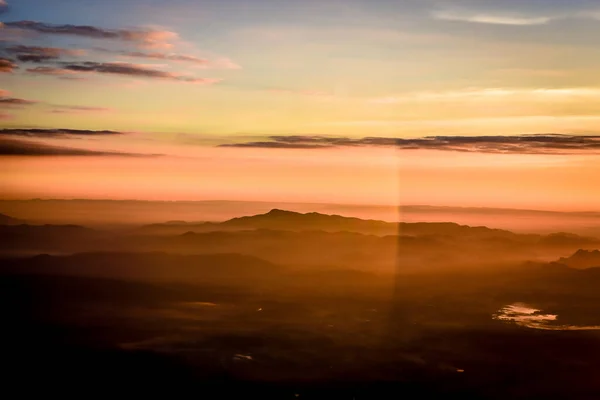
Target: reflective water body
{"x": 530, "y": 317}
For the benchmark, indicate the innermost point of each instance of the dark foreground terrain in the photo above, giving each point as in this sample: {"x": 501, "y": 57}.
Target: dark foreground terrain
{"x": 232, "y": 325}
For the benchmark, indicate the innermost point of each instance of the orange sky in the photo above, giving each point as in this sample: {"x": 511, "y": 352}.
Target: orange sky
{"x": 361, "y": 176}
{"x": 464, "y": 103}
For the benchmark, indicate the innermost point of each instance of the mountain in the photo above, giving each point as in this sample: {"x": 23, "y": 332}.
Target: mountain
{"x": 289, "y": 220}
{"x": 8, "y": 220}
{"x": 582, "y": 259}
{"x": 282, "y": 220}
{"x": 568, "y": 239}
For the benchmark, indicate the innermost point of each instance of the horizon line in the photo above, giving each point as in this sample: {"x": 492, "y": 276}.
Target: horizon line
{"x": 431, "y": 206}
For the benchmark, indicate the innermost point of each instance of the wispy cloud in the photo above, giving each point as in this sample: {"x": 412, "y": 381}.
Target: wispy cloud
{"x": 15, "y": 102}
{"x": 488, "y": 18}
{"x": 6, "y": 101}
{"x": 222, "y": 63}
{"x": 39, "y": 54}
{"x": 12, "y": 147}
{"x": 51, "y": 71}
{"x": 54, "y": 133}
{"x": 118, "y": 68}
{"x": 12, "y": 102}
{"x": 529, "y": 13}
{"x": 140, "y": 38}
{"x": 483, "y": 94}
{"x": 7, "y": 65}
{"x": 134, "y": 70}
{"x": 152, "y": 38}
{"x": 526, "y": 144}
{"x": 61, "y": 109}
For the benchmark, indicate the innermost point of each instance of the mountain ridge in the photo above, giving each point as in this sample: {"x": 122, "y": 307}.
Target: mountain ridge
{"x": 8, "y": 220}
{"x": 279, "y": 219}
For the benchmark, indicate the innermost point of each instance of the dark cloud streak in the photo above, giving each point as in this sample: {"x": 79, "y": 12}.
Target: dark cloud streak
{"x": 127, "y": 70}
{"x": 62, "y": 109}
{"x": 527, "y": 144}
{"x": 157, "y": 56}
{"x": 7, "y": 65}
{"x": 51, "y": 71}
{"x": 12, "y": 147}
{"x": 222, "y": 63}
{"x": 53, "y": 133}
{"x": 149, "y": 38}
{"x": 39, "y": 54}
{"x": 11, "y": 101}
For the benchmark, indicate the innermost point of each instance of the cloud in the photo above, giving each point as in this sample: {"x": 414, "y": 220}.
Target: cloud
{"x": 222, "y": 63}
{"x": 53, "y": 133}
{"x": 7, "y": 65}
{"x": 3, "y": 6}
{"x": 152, "y": 38}
{"x": 526, "y": 144}
{"x": 41, "y": 54}
{"x": 51, "y": 71}
{"x": 60, "y": 109}
{"x": 14, "y": 102}
{"x": 12, "y": 147}
{"x": 142, "y": 38}
{"x": 522, "y": 13}
{"x": 126, "y": 69}
{"x": 496, "y": 19}
{"x": 277, "y": 145}
{"x": 165, "y": 56}
{"x": 5, "y": 116}
{"x": 484, "y": 94}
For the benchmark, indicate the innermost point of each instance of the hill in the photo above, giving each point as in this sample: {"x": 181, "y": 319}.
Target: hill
{"x": 8, "y": 220}
{"x": 582, "y": 259}
{"x": 293, "y": 221}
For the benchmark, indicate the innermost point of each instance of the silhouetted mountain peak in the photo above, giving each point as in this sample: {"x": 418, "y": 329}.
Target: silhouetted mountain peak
{"x": 8, "y": 220}
{"x": 283, "y": 220}
{"x": 276, "y": 212}
{"x": 582, "y": 259}
{"x": 582, "y": 252}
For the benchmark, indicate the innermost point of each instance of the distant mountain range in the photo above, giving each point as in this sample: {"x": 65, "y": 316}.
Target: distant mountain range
{"x": 293, "y": 221}
{"x": 8, "y": 220}
{"x": 307, "y": 240}
{"x": 582, "y": 259}
{"x": 111, "y": 213}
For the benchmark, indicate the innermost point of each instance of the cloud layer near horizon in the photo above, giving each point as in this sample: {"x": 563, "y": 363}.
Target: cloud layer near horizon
{"x": 13, "y": 147}
{"x": 526, "y": 144}
{"x": 18, "y": 142}
{"x": 53, "y": 133}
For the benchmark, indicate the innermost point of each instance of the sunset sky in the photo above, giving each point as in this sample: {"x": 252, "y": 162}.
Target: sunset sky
{"x": 463, "y": 103}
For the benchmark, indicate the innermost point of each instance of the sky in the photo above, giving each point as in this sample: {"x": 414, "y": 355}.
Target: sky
{"x": 465, "y": 103}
